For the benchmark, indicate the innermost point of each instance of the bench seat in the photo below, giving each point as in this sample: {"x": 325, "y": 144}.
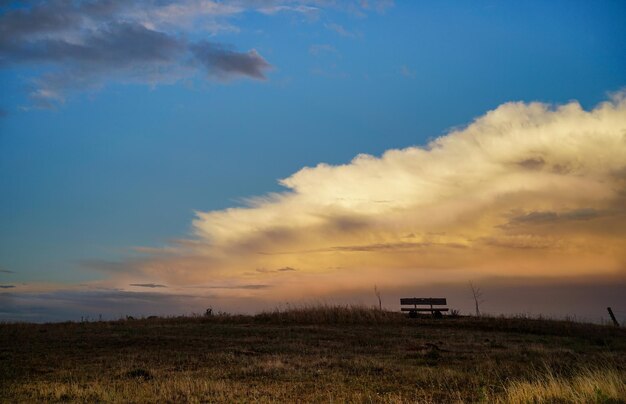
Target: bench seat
{"x": 414, "y": 311}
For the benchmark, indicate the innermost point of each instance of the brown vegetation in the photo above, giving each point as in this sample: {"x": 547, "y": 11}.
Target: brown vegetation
{"x": 318, "y": 353}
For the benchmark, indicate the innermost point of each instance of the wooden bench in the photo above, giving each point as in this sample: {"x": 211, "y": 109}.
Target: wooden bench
{"x": 424, "y": 301}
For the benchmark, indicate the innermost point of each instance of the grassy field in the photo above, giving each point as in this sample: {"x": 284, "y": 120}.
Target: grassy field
{"x": 320, "y": 354}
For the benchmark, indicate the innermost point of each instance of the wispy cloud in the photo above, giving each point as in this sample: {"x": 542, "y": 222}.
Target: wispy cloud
{"x": 235, "y": 287}
{"x": 527, "y": 189}
{"x": 148, "y": 285}
{"x": 278, "y": 270}
{"x": 407, "y": 72}
{"x": 543, "y": 217}
{"x": 342, "y": 31}
{"x": 7, "y": 286}
{"x": 6, "y": 271}
{"x": 310, "y": 12}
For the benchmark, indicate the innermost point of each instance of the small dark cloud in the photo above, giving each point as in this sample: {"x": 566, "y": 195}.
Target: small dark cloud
{"x": 286, "y": 269}
{"x": 561, "y": 169}
{"x": 519, "y": 242}
{"x": 534, "y": 163}
{"x": 583, "y": 214}
{"x": 226, "y": 62}
{"x": 402, "y": 246}
{"x": 374, "y": 247}
{"x": 381, "y": 247}
{"x": 250, "y": 287}
{"x": 283, "y": 269}
{"x": 345, "y": 223}
{"x": 148, "y": 285}
{"x": 259, "y": 240}
{"x": 544, "y": 217}
{"x": 539, "y": 163}
{"x": 6, "y": 271}
{"x": 6, "y": 286}
{"x": 536, "y": 217}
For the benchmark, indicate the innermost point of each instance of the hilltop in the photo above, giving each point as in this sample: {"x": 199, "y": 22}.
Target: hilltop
{"x": 313, "y": 354}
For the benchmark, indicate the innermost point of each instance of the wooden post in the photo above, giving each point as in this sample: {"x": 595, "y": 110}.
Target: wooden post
{"x": 612, "y": 316}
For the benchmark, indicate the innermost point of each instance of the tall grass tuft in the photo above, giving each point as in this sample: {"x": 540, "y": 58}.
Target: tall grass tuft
{"x": 588, "y": 386}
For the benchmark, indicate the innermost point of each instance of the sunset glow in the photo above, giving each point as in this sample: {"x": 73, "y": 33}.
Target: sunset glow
{"x": 141, "y": 144}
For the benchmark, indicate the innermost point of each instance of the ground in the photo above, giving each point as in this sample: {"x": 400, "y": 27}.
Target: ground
{"x": 319, "y": 354}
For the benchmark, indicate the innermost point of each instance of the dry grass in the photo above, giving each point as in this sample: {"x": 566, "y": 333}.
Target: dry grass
{"x": 330, "y": 314}
{"x": 586, "y": 386}
{"x": 313, "y": 354}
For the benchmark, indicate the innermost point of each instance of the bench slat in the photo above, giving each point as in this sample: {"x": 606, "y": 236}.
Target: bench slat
{"x": 418, "y": 309}
{"x": 440, "y": 301}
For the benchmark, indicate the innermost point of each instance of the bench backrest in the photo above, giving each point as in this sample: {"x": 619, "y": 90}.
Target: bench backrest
{"x": 434, "y": 301}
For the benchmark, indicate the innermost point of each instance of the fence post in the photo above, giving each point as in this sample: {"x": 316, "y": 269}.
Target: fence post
{"x": 612, "y": 316}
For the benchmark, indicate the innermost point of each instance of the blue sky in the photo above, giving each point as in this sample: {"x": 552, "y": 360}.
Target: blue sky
{"x": 115, "y": 160}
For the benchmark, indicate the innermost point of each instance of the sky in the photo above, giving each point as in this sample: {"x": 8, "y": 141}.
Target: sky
{"x": 161, "y": 157}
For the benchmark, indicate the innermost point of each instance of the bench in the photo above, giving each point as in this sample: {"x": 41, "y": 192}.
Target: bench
{"x": 424, "y": 301}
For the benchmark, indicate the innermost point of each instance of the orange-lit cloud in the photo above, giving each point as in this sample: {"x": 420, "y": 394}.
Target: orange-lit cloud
{"x": 526, "y": 190}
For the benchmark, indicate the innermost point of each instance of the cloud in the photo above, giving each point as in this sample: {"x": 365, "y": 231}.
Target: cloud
{"x": 542, "y": 217}
{"x": 148, "y": 285}
{"x": 286, "y": 269}
{"x": 532, "y": 163}
{"x": 7, "y": 286}
{"x": 407, "y": 72}
{"x": 225, "y": 62}
{"x": 83, "y": 45}
{"x": 6, "y": 271}
{"x": 269, "y": 271}
{"x": 341, "y": 30}
{"x": 128, "y": 50}
{"x": 468, "y": 206}
{"x": 306, "y": 10}
{"x": 245, "y": 287}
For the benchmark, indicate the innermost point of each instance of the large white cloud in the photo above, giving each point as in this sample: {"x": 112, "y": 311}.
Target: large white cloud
{"x": 527, "y": 189}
